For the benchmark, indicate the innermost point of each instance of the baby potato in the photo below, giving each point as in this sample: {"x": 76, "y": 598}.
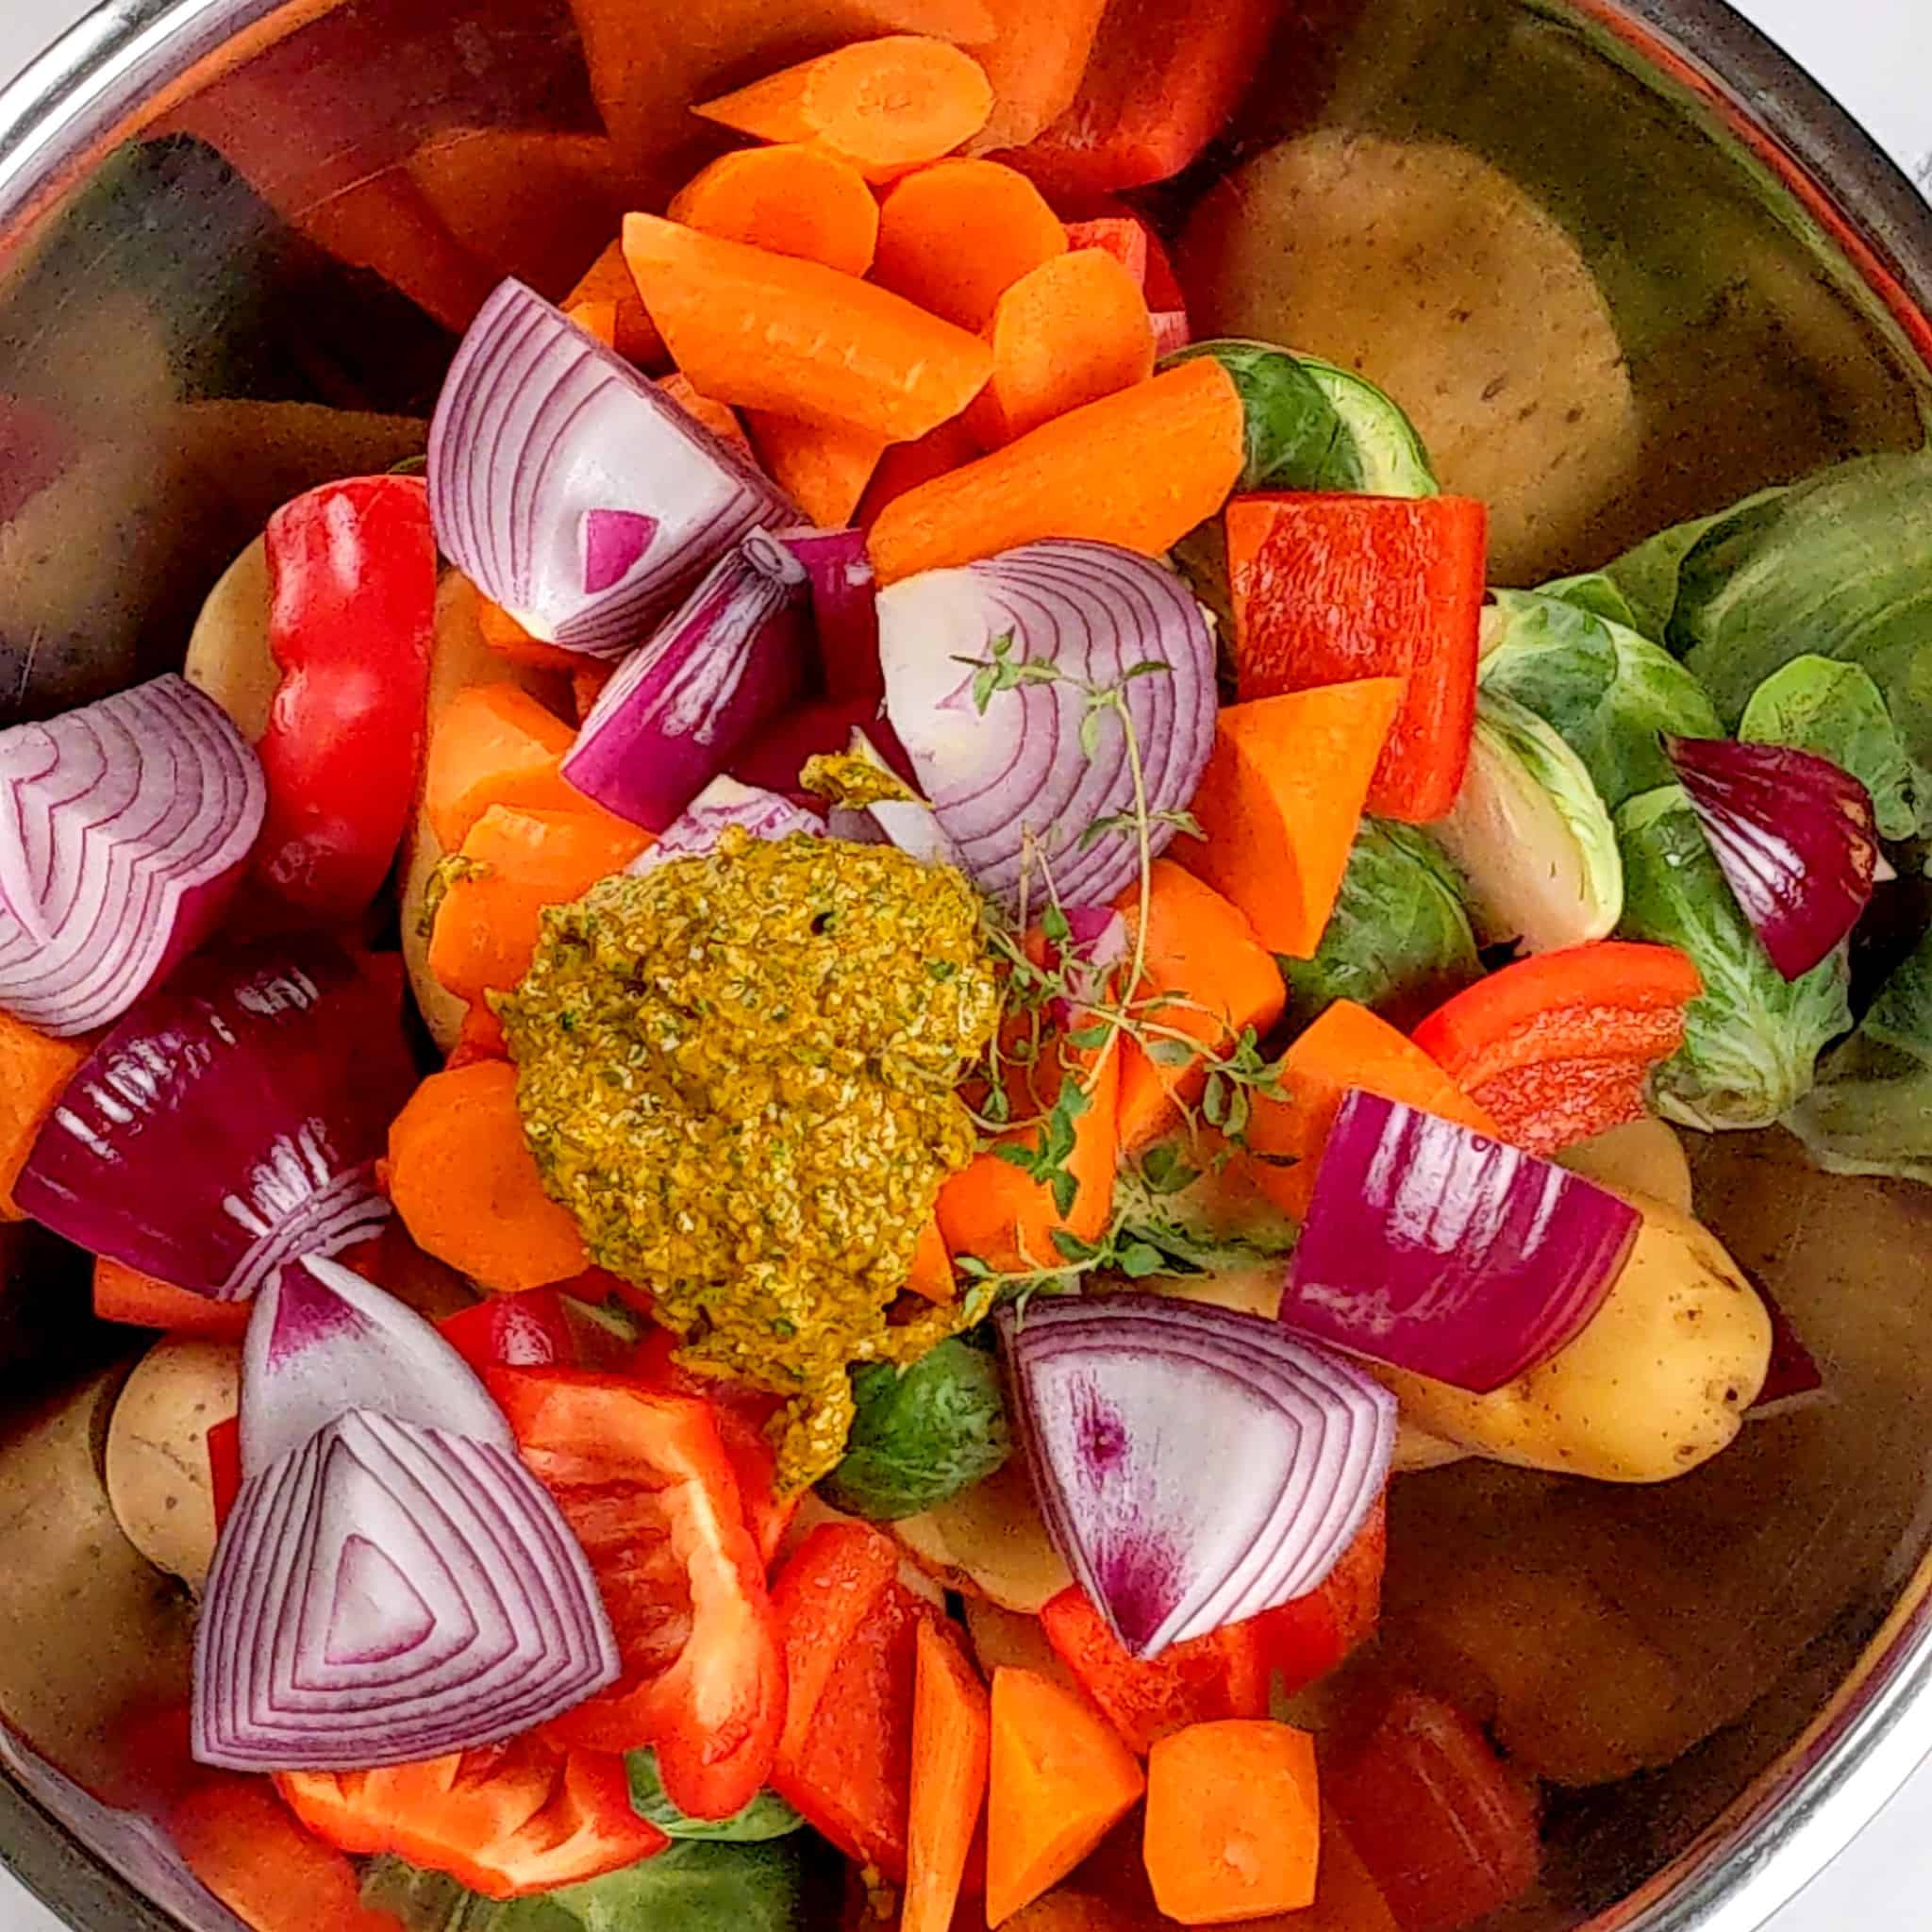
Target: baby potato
{"x": 156, "y": 1459}
{"x": 990, "y": 1541}
{"x": 1656, "y": 1384}
{"x": 1646, "y": 1158}
{"x": 228, "y": 654}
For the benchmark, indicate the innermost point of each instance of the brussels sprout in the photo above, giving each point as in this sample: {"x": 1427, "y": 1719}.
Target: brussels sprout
{"x": 1295, "y": 436}
{"x": 1606, "y": 691}
{"x": 1398, "y": 940}
{"x": 1180, "y": 1212}
{"x": 1752, "y": 1039}
{"x": 767, "y": 1816}
{"x": 1388, "y": 446}
{"x": 921, "y": 1434}
{"x": 1835, "y": 709}
{"x": 1530, "y": 834}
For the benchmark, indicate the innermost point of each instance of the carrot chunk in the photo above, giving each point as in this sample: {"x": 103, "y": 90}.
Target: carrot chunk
{"x": 952, "y": 1725}
{"x": 144, "y": 1301}
{"x": 494, "y": 745}
{"x": 793, "y": 199}
{"x": 823, "y": 469}
{"x": 721, "y": 422}
{"x": 1034, "y": 61}
{"x": 35, "y": 1068}
{"x": 608, "y": 279}
{"x": 954, "y": 237}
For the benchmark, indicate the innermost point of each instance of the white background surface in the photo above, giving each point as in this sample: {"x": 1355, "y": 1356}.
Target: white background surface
{"x": 1876, "y": 57}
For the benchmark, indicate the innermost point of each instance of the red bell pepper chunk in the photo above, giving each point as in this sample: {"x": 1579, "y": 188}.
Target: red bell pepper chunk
{"x": 1329, "y": 589}
{"x": 1313, "y": 1634}
{"x": 351, "y": 575}
{"x": 643, "y": 1479}
{"x": 225, "y": 1466}
{"x": 541, "y": 1328}
{"x": 1558, "y": 1047}
{"x": 1446, "y": 1829}
{"x": 507, "y": 1821}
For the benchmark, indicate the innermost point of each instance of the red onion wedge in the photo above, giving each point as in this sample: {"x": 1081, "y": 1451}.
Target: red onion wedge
{"x": 232, "y": 1121}
{"x": 777, "y": 755}
{"x": 724, "y": 802}
{"x": 127, "y": 826}
{"x": 1794, "y": 835}
{"x": 571, "y": 491}
{"x": 845, "y": 609}
{"x": 676, "y": 713}
{"x": 907, "y": 822}
{"x": 1793, "y": 1380}
{"x": 1433, "y": 1248}
{"x": 1196, "y": 1466}
{"x": 991, "y": 672}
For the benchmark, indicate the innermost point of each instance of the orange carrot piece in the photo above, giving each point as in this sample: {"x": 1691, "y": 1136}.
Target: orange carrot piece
{"x": 144, "y": 1301}
{"x": 932, "y": 1265}
{"x": 509, "y": 639}
{"x": 1060, "y": 1780}
{"x": 884, "y": 104}
{"x": 608, "y": 279}
{"x": 770, "y": 332}
{"x": 35, "y": 1068}
{"x": 1348, "y": 1046}
{"x": 463, "y": 1181}
{"x": 723, "y": 423}
{"x": 906, "y": 465}
{"x": 1233, "y": 1822}
{"x": 598, "y": 320}
{"x": 822, "y": 469}
{"x": 1074, "y": 330}
{"x": 479, "y": 1038}
{"x": 952, "y": 1725}
{"x": 586, "y": 686}
{"x": 518, "y": 862}
{"x": 1140, "y": 469}
{"x": 954, "y": 237}
{"x": 494, "y": 745}
{"x": 1281, "y": 802}
{"x": 1200, "y": 948}
{"x": 793, "y": 199}
{"x": 1035, "y": 62}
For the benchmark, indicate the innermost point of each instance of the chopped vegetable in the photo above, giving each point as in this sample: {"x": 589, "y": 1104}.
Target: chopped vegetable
{"x": 823, "y": 470}
{"x": 907, "y": 465}
{"x": 1793, "y": 835}
{"x": 695, "y": 831}
{"x": 723, "y": 664}
{"x": 1328, "y": 588}
{"x": 539, "y": 1328}
{"x": 1558, "y": 1047}
{"x": 1233, "y": 1822}
{"x": 1644, "y": 1156}
{"x": 352, "y": 597}
{"x": 765, "y": 1817}
{"x": 1433, "y": 1247}
{"x": 1061, "y": 1781}
{"x": 1281, "y": 802}
{"x": 463, "y": 1181}
{"x": 125, "y": 1295}
{"x": 1126, "y": 236}
{"x": 131, "y": 821}
{"x": 1530, "y": 834}
{"x": 637, "y": 499}
{"x": 1296, "y": 438}
{"x": 884, "y": 104}
{"x": 1751, "y": 1040}
{"x": 35, "y": 1068}
{"x": 1048, "y": 697}
{"x": 155, "y": 1463}
{"x": 722, "y": 422}
{"x": 989, "y": 1543}
{"x": 772, "y": 332}
{"x": 951, "y": 1746}
{"x": 793, "y": 199}
{"x": 608, "y": 281}
{"x": 954, "y": 237}
{"x": 230, "y": 1122}
{"x": 1066, "y": 333}
{"x": 1119, "y": 1402}
{"x": 1197, "y": 1210}
{"x": 1138, "y": 469}
{"x": 1034, "y": 59}
{"x": 844, "y": 614}
{"x": 1836, "y": 710}
{"x": 494, "y": 745}
{"x": 921, "y": 1434}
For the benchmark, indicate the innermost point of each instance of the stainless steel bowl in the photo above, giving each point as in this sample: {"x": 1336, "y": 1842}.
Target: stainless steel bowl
{"x": 191, "y": 329}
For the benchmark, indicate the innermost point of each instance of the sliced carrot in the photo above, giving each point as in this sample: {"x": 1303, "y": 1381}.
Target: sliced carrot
{"x": 954, "y": 237}
{"x": 794, "y": 199}
{"x": 884, "y": 104}
{"x": 770, "y": 332}
{"x": 723, "y": 423}
{"x": 1203, "y": 975}
{"x": 1281, "y": 802}
{"x": 1140, "y": 469}
{"x": 514, "y": 863}
{"x": 906, "y": 465}
{"x": 932, "y": 1265}
{"x": 1035, "y": 61}
{"x": 1233, "y": 1822}
{"x": 35, "y": 1068}
{"x": 463, "y": 1177}
{"x": 1348, "y": 1046}
{"x": 1123, "y": 236}
{"x": 509, "y": 639}
{"x": 494, "y": 745}
{"x": 608, "y": 279}
{"x": 481, "y": 1038}
{"x": 823, "y": 470}
{"x": 1074, "y": 330}
{"x": 144, "y": 1301}
{"x": 1060, "y": 1780}
{"x": 951, "y": 1741}
{"x": 598, "y": 320}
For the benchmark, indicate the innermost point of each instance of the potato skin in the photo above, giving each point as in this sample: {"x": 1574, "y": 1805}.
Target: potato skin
{"x": 1646, "y": 1157}
{"x": 1657, "y": 1384}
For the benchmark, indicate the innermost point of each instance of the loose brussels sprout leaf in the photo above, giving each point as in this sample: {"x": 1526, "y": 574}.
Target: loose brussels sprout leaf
{"x": 1752, "y": 1038}
{"x": 768, "y": 1816}
{"x": 1398, "y": 940}
{"x": 1835, "y": 709}
{"x": 1182, "y": 1212}
{"x": 1870, "y": 1112}
{"x": 1530, "y": 835}
{"x": 1606, "y": 689}
{"x": 1647, "y": 577}
{"x": 1295, "y": 437}
{"x": 921, "y": 1434}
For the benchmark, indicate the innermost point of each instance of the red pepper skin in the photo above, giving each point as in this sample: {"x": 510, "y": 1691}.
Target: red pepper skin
{"x": 1308, "y": 1637}
{"x": 537, "y": 1329}
{"x": 224, "y": 1440}
{"x": 642, "y": 1480}
{"x": 351, "y": 575}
